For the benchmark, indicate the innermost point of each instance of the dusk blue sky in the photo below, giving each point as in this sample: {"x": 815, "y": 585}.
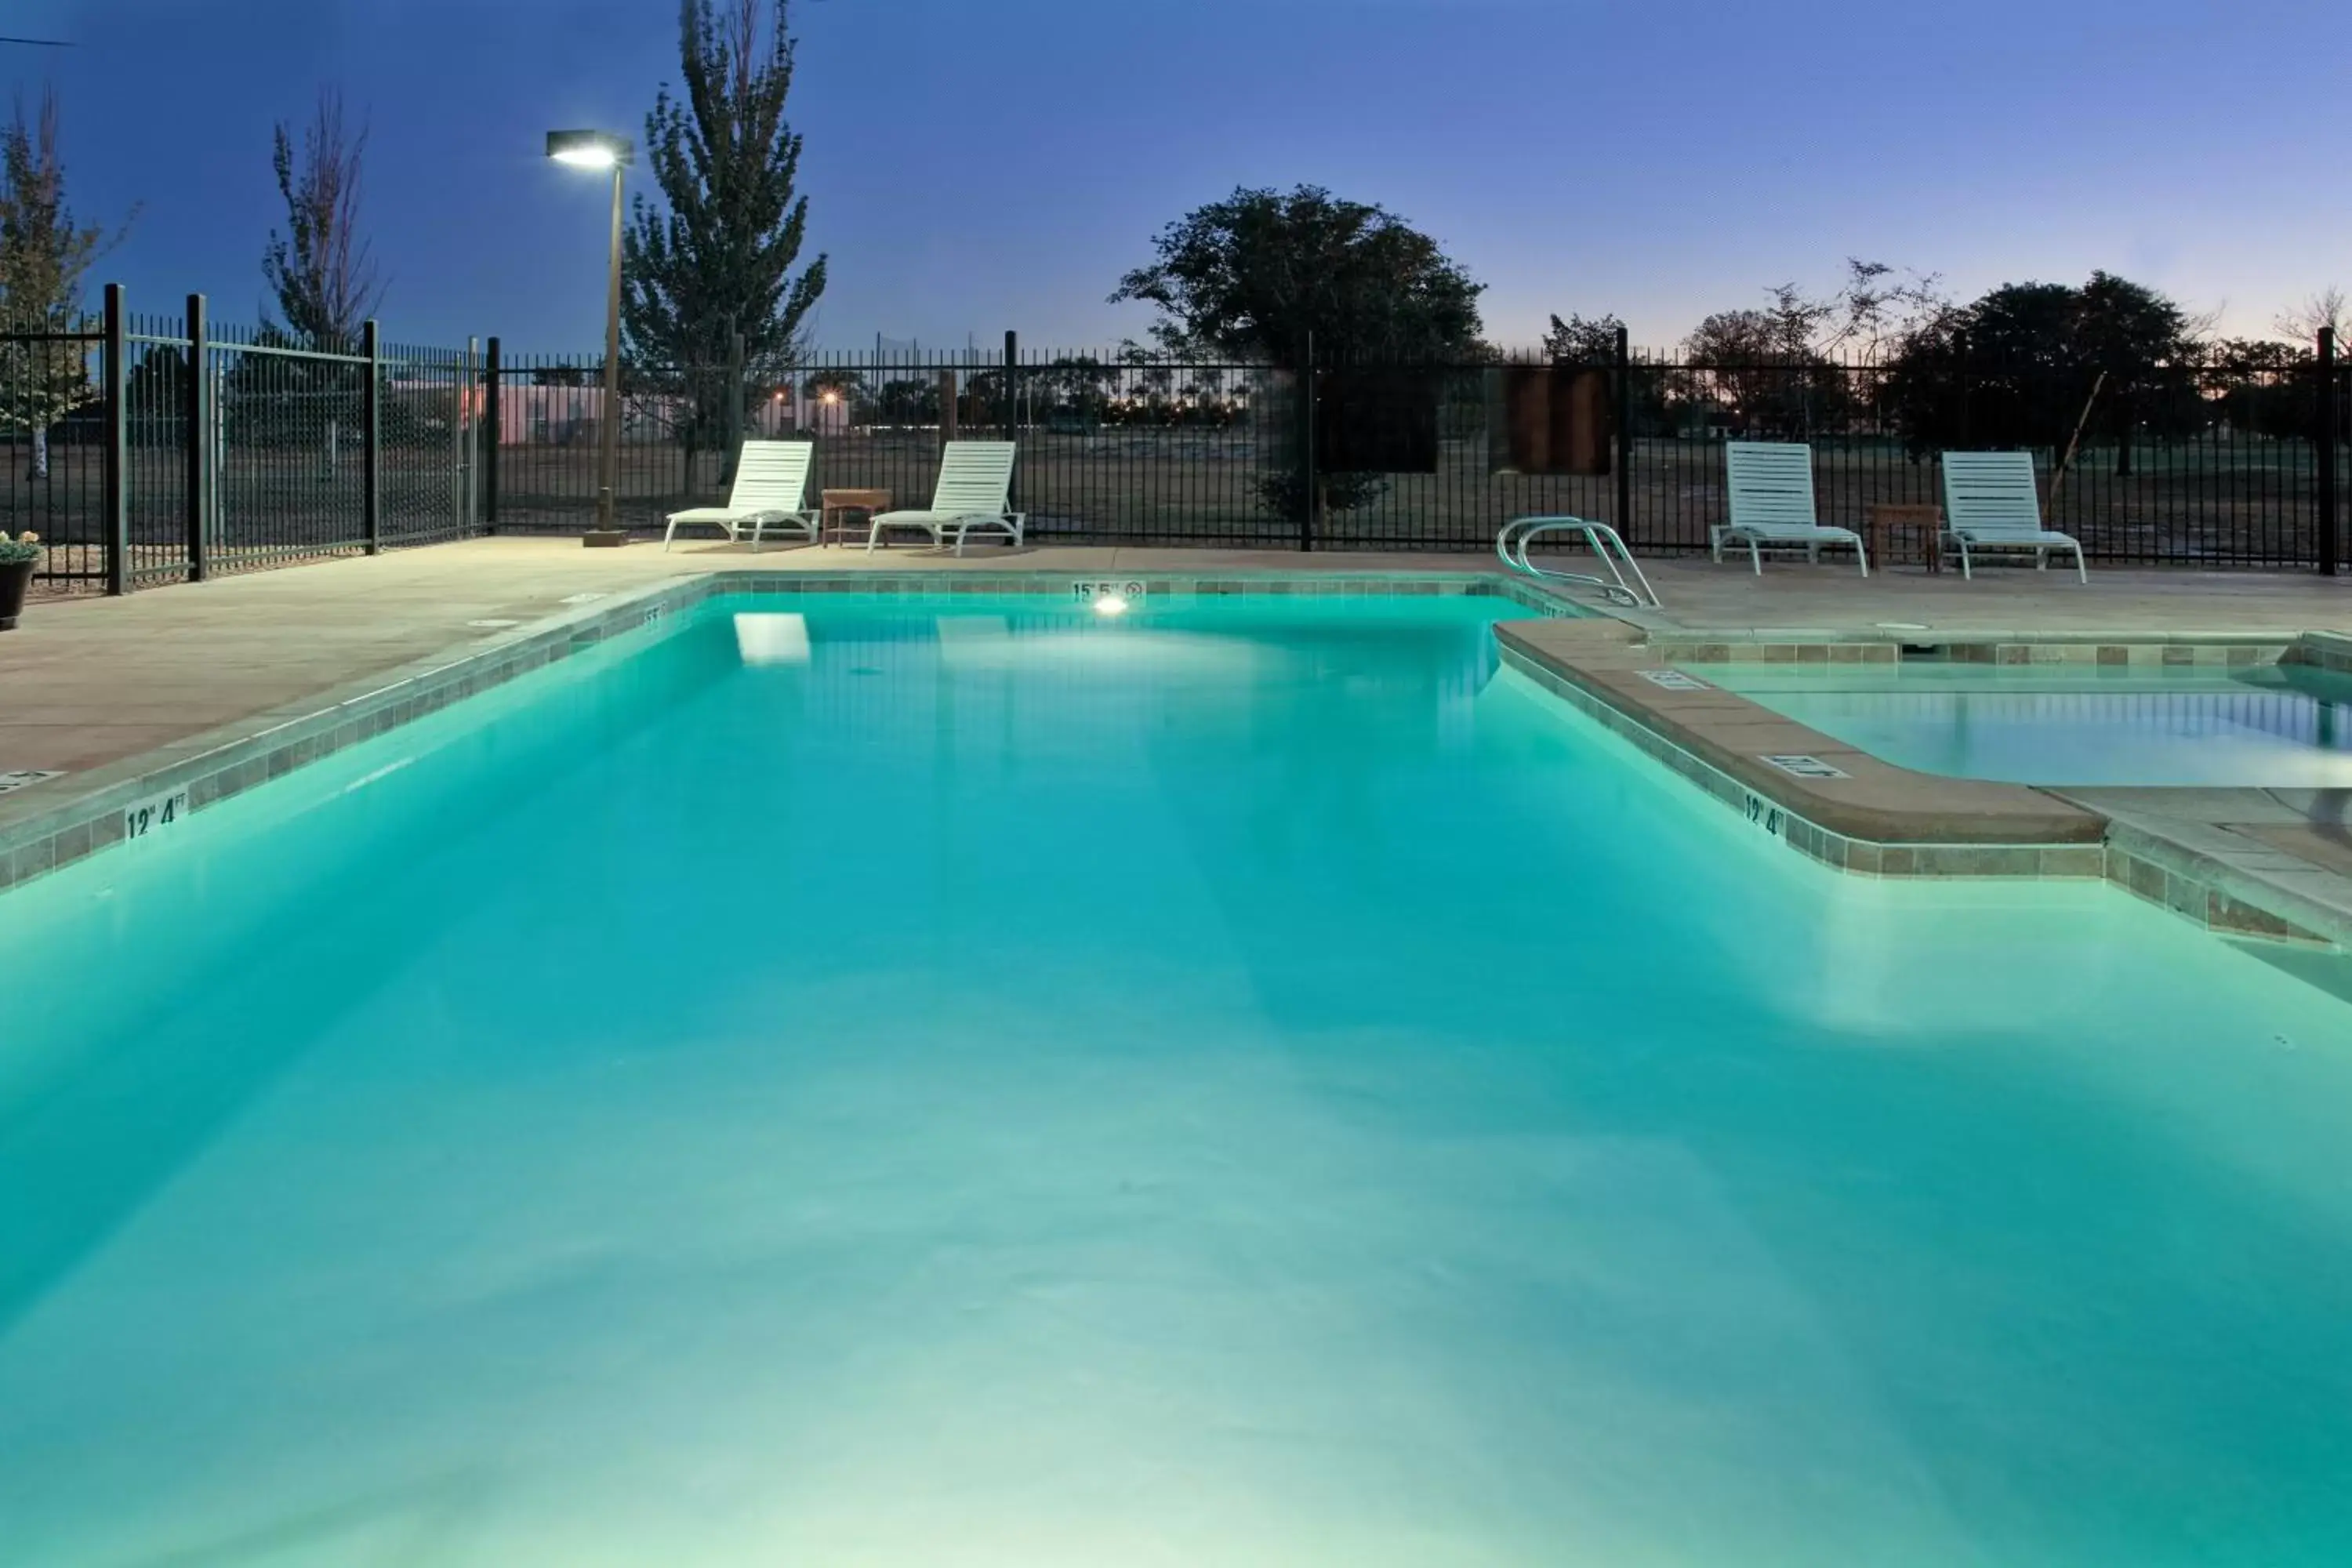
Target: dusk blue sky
{"x": 973, "y": 166}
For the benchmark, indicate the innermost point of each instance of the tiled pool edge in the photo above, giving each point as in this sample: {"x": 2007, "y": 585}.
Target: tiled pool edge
{"x": 50, "y": 826}
{"x": 2330, "y": 651}
{"x": 2207, "y": 891}
{"x": 2175, "y": 878}
{"x": 2105, "y": 650}
{"x": 1779, "y": 815}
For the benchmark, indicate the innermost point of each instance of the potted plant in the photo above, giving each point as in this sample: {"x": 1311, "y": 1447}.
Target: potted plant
{"x": 17, "y": 558}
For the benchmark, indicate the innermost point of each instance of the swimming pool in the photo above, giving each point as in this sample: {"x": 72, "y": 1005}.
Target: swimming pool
{"x": 2278, "y": 726}
{"x": 1250, "y": 1083}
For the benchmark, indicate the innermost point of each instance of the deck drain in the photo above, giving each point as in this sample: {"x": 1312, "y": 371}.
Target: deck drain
{"x": 583, "y": 598}
{"x": 492, "y": 625}
{"x": 1901, "y": 625}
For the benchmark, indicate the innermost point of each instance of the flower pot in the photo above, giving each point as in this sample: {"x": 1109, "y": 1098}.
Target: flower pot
{"x": 16, "y": 576}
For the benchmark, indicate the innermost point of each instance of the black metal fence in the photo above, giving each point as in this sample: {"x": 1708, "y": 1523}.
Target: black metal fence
{"x": 146, "y": 450}
{"x": 150, "y": 449}
{"x": 2217, "y": 464}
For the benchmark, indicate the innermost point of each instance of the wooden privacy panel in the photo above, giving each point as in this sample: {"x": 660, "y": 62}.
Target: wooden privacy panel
{"x": 1376, "y": 421}
{"x": 1548, "y": 419}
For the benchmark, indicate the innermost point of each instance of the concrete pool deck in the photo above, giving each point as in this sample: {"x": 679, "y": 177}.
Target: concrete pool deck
{"x": 2004, "y": 602}
{"x": 93, "y": 680}
{"x": 92, "y": 685}
{"x": 90, "y": 680}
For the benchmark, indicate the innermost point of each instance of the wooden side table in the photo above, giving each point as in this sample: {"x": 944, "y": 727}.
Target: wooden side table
{"x": 832, "y": 503}
{"x": 1884, "y": 522}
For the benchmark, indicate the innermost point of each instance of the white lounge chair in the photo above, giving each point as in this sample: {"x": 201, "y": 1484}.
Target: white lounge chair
{"x": 973, "y": 495}
{"x": 1773, "y": 505}
{"x": 770, "y": 482}
{"x": 1990, "y": 503}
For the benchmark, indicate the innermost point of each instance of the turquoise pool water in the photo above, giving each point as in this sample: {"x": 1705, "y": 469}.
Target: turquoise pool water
{"x": 1250, "y": 1086}
{"x": 2284, "y": 726}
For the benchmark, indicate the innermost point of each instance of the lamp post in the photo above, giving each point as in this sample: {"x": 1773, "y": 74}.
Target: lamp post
{"x": 602, "y": 149}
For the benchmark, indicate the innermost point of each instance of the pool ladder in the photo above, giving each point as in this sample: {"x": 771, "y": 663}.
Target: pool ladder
{"x": 1625, "y": 584}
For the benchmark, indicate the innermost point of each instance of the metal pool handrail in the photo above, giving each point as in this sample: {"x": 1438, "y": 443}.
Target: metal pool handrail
{"x": 1512, "y": 540}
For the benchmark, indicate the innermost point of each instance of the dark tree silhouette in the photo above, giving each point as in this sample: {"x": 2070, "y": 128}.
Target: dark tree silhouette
{"x": 720, "y": 255}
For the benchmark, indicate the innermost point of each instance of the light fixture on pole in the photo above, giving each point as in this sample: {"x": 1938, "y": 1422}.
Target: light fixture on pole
{"x": 602, "y": 149}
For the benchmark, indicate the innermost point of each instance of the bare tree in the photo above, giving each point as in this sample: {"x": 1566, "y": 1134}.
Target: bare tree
{"x": 1878, "y": 310}
{"x": 319, "y": 269}
{"x": 2328, "y": 308}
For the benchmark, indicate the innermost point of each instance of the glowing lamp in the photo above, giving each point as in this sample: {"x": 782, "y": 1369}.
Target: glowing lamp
{"x": 588, "y": 149}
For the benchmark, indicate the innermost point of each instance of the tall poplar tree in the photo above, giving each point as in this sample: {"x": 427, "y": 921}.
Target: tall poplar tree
{"x": 718, "y": 254}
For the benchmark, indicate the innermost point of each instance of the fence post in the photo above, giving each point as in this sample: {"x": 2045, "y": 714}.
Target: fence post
{"x": 1012, "y": 386}
{"x": 199, "y": 442}
{"x": 372, "y": 434}
{"x": 461, "y": 471}
{"x": 114, "y": 369}
{"x": 1012, "y": 392}
{"x": 2328, "y": 421}
{"x": 1624, "y": 436}
{"x": 492, "y": 426}
{"x": 1310, "y": 503}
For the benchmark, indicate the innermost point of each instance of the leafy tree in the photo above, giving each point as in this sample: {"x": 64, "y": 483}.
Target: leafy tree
{"x": 2019, "y": 366}
{"x": 2262, "y": 386}
{"x": 1253, "y": 276}
{"x": 721, "y": 257}
{"x": 837, "y": 383}
{"x": 1593, "y": 340}
{"x": 2124, "y": 327}
{"x": 1763, "y": 367}
{"x": 1797, "y": 327}
{"x": 1583, "y": 340}
{"x": 839, "y": 380}
{"x": 906, "y": 400}
{"x": 1800, "y": 364}
{"x": 45, "y": 259}
{"x": 1735, "y": 337}
{"x": 318, "y": 271}
{"x": 1076, "y": 385}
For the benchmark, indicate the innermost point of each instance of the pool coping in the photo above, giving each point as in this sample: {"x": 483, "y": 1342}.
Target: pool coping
{"x": 1876, "y": 819}
{"x": 1869, "y": 822}
{"x": 1872, "y": 817}
{"x": 58, "y": 822}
